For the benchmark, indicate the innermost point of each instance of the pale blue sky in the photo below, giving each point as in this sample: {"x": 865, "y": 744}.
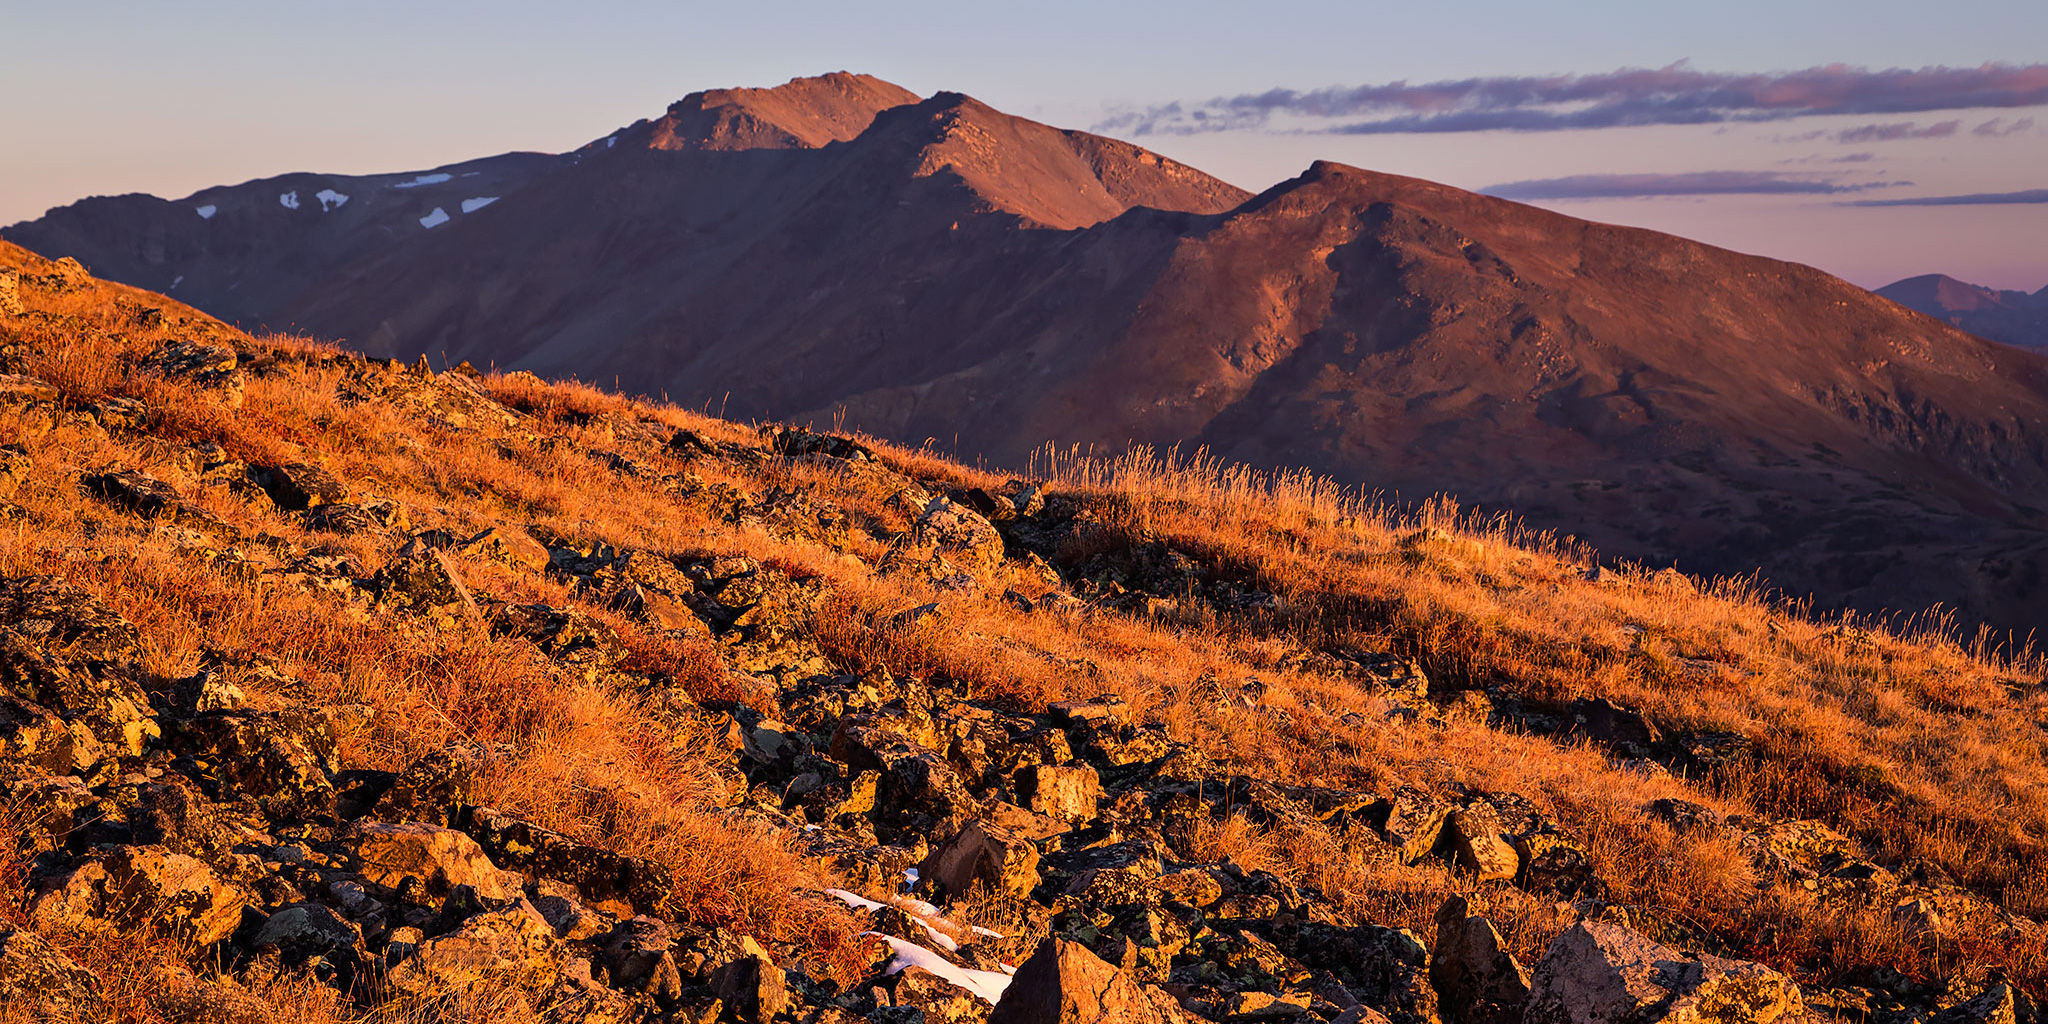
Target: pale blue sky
{"x": 166, "y": 98}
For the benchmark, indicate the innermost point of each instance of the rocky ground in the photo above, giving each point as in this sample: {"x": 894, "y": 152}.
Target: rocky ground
{"x": 1003, "y": 859}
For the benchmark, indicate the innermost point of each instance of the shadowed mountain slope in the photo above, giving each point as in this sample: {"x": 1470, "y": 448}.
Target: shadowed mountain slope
{"x": 2013, "y": 317}
{"x": 836, "y": 249}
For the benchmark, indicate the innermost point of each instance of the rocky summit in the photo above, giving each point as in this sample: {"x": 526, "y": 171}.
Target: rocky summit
{"x": 342, "y": 689}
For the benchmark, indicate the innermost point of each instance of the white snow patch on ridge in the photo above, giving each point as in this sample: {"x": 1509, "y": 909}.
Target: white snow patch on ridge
{"x": 206, "y": 212}
{"x": 289, "y": 200}
{"x": 988, "y": 985}
{"x": 478, "y": 203}
{"x": 434, "y": 219}
{"x": 424, "y": 179}
{"x": 330, "y": 200}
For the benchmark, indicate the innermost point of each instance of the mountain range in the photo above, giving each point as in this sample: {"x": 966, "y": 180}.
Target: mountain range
{"x": 840, "y": 250}
{"x": 2007, "y": 315}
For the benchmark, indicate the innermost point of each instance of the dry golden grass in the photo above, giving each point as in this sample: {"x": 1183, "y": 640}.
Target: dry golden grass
{"x": 1921, "y": 746}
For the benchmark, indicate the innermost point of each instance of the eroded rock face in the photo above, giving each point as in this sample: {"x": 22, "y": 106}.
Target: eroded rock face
{"x": 1064, "y": 983}
{"x": 1598, "y": 972}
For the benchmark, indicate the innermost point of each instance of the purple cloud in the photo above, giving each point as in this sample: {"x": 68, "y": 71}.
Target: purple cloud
{"x": 1998, "y": 128}
{"x": 1677, "y": 94}
{"x": 2032, "y": 195}
{"x": 1695, "y": 183}
{"x": 1897, "y": 130}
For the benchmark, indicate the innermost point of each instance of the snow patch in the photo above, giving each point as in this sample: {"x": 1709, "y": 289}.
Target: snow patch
{"x": 988, "y": 985}
{"x": 434, "y": 219}
{"x": 175, "y": 282}
{"x": 206, "y": 212}
{"x": 910, "y": 876}
{"x": 330, "y": 200}
{"x": 289, "y": 200}
{"x": 424, "y": 179}
{"x": 478, "y": 203}
{"x": 611, "y": 141}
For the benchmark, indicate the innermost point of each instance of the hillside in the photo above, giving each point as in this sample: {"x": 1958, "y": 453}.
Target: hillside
{"x": 2004, "y": 315}
{"x": 837, "y": 251}
{"x": 338, "y": 689}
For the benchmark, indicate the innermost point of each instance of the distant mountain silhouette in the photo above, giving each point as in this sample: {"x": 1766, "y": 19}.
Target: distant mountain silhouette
{"x": 2013, "y": 317}
{"x": 838, "y": 249}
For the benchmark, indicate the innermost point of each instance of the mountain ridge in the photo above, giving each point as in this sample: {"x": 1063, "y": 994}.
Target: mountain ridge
{"x": 953, "y": 273}
{"x": 2003, "y": 315}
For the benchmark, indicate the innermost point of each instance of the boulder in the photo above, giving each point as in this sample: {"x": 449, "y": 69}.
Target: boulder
{"x": 432, "y": 787}
{"x": 299, "y": 486}
{"x": 509, "y": 947}
{"x": 599, "y": 874}
{"x": 1477, "y": 980}
{"x": 640, "y": 958}
{"x": 998, "y": 858}
{"x": 1063, "y": 983}
{"x": 134, "y": 491}
{"x": 438, "y": 859}
{"x": 103, "y": 702}
{"x": 130, "y": 887}
{"x": 425, "y": 579}
{"x": 753, "y": 990}
{"x": 307, "y": 929}
{"x": 1411, "y": 821}
{"x": 34, "y": 736}
{"x": 1994, "y": 1005}
{"x": 960, "y": 536}
{"x": 1598, "y": 972}
{"x": 278, "y": 759}
{"x": 1476, "y": 844}
{"x": 1067, "y": 792}
{"x": 941, "y": 1001}
{"x": 510, "y": 545}
{"x": 38, "y": 981}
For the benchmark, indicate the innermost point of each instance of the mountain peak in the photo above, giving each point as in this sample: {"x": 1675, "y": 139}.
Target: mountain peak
{"x": 803, "y": 113}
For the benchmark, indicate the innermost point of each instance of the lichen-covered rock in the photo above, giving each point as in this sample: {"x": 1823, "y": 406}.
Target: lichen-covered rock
{"x": 1598, "y": 972}
{"x": 1477, "y": 980}
{"x": 640, "y": 958}
{"x": 39, "y": 982}
{"x": 300, "y": 485}
{"x": 510, "y": 947}
{"x": 104, "y": 702}
{"x": 753, "y": 990}
{"x": 983, "y": 854}
{"x": 309, "y": 929}
{"x": 281, "y": 760}
{"x": 424, "y": 580}
{"x": 1067, "y": 792}
{"x": 1064, "y": 983}
{"x": 436, "y": 859}
{"x": 510, "y": 545}
{"x": 1411, "y": 821}
{"x": 600, "y": 875}
{"x": 130, "y": 887}
{"x": 1477, "y": 846}
{"x": 432, "y": 788}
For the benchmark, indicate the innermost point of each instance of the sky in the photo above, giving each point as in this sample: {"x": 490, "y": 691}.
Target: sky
{"x": 1875, "y": 139}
